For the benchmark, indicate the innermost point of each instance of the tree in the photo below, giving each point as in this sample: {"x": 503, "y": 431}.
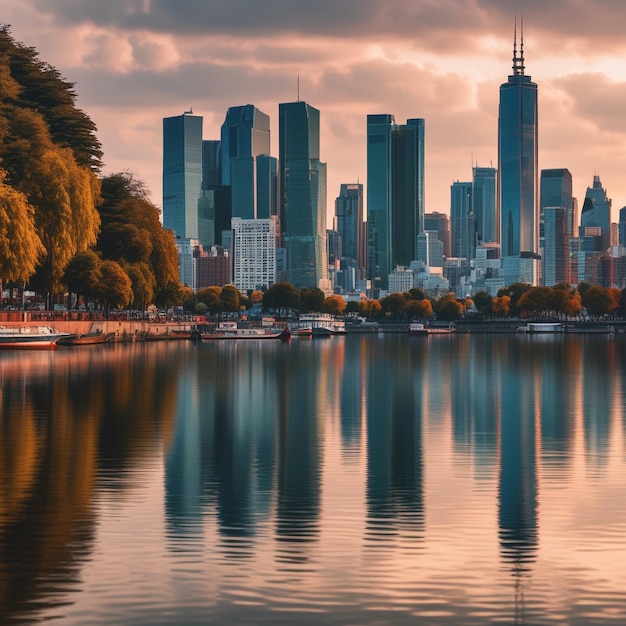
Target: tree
{"x": 393, "y": 305}
{"x": 256, "y": 296}
{"x": 573, "y": 305}
{"x": 142, "y": 281}
{"x": 210, "y": 296}
{"x": 312, "y": 299}
{"x": 83, "y": 274}
{"x": 449, "y": 308}
{"x": 597, "y": 301}
{"x": 535, "y": 300}
{"x": 281, "y": 297}
{"x": 335, "y": 305}
{"x": 20, "y": 246}
{"x": 501, "y": 306}
{"x": 230, "y": 298}
{"x": 419, "y": 309}
{"x": 416, "y": 294}
{"x": 371, "y": 309}
{"x": 482, "y": 302}
{"x": 114, "y": 289}
{"x": 514, "y": 292}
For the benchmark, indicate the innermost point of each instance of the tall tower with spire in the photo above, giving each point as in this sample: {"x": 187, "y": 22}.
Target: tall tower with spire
{"x": 517, "y": 160}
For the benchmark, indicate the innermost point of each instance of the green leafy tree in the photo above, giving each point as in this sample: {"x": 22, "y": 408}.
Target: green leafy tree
{"x": 230, "y": 298}
{"x": 83, "y": 274}
{"x": 210, "y": 296}
{"x": 312, "y": 299}
{"x": 482, "y": 302}
{"x": 114, "y": 290}
{"x": 597, "y": 300}
{"x": 281, "y": 297}
{"x": 449, "y": 308}
{"x": 393, "y": 305}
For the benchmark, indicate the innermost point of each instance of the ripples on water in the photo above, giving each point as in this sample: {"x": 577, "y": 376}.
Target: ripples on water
{"x": 355, "y": 480}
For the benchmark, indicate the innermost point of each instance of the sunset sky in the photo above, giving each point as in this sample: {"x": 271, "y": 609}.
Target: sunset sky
{"x": 137, "y": 61}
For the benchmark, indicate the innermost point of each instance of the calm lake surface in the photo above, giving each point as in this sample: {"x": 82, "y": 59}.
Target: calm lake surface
{"x": 468, "y": 479}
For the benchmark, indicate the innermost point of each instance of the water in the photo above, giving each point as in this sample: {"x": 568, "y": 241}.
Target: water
{"x": 353, "y": 480}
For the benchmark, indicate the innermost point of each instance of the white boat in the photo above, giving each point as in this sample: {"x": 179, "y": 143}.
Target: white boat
{"x": 322, "y": 324}
{"x": 230, "y": 330}
{"x": 30, "y": 337}
{"x": 420, "y": 330}
{"x": 541, "y": 327}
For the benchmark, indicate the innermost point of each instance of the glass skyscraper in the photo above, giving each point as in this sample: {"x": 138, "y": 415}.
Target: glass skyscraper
{"x": 462, "y": 221}
{"x": 247, "y": 167}
{"x": 596, "y": 212}
{"x": 485, "y": 203}
{"x": 517, "y": 161}
{"x": 395, "y": 194}
{"x": 349, "y": 222}
{"x": 182, "y": 174}
{"x": 302, "y": 195}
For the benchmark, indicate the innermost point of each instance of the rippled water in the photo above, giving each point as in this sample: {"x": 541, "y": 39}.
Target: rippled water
{"x": 355, "y": 480}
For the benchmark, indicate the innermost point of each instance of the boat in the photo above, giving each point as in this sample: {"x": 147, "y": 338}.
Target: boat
{"x": 303, "y": 331}
{"x": 417, "y": 329}
{"x": 168, "y": 335}
{"x": 421, "y": 330}
{"x": 231, "y": 330}
{"x": 86, "y": 339}
{"x": 541, "y": 328}
{"x": 322, "y": 324}
{"x": 30, "y": 337}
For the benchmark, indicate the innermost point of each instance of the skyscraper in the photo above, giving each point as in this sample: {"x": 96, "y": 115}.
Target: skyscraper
{"x": 302, "y": 195}
{"x": 596, "y": 213}
{"x": 247, "y": 167}
{"x": 556, "y": 190}
{"x": 441, "y": 223}
{"x": 182, "y": 174}
{"x": 485, "y": 204}
{"x": 462, "y": 222}
{"x": 517, "y": 161}
{"x": 555, "y": 257}
{"x": 395, "y": 194}
{"x": 349, "y": 222}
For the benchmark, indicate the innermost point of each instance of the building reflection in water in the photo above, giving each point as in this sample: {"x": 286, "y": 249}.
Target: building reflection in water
{"x": 394, "y": 492}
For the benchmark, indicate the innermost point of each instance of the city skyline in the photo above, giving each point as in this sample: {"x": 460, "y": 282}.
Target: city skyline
{"x": 133, "y": 65}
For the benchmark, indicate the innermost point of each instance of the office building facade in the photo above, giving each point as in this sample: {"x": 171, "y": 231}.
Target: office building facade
{"x": 462, "y": 220}
{"x": 349, "y": 223}
{"x": 485, "y": 204}
{"x": 182, "y": 174}
{"x": 302, "y": 196}
{"x": 595, "y": 217}
{"x": 395, "y": 194}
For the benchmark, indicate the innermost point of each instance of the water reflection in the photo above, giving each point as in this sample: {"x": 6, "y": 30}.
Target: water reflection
{"x": 374, "y": 473}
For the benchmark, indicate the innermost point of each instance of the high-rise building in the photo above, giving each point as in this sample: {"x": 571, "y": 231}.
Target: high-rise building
{"x": 247, "y": 167}
{"x": 439, "y": 222}
{"x": 395, "y": 194}
{"x": 622, "y": 226}
{"x": 556, "y": 190}
{"x": 182, "y": 174}
{"x": 302, "y": 195}
{"x": 517, "y": 161}
{"x": 349, "y": 222}
{"x": 596, "y": 213}
{"x": 485, "y": 203}
{"x": 462, "y": 221}
{"x": 254, "y": 252}
{"x": 555, "y": 258}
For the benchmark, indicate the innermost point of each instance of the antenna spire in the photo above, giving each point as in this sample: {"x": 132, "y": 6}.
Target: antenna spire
{"x": 518, "y": 61}
{"x": 298, "y": 88}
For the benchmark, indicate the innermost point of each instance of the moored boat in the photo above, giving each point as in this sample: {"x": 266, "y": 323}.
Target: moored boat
{"x": 85, "y": 339}
{"x": 30, "y": 337}
{"x": 322, "y": 324}
{"x": 230, "y": 330}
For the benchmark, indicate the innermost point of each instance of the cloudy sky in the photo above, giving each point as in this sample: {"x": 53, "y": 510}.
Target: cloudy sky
{"x": 137, "y": 61}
